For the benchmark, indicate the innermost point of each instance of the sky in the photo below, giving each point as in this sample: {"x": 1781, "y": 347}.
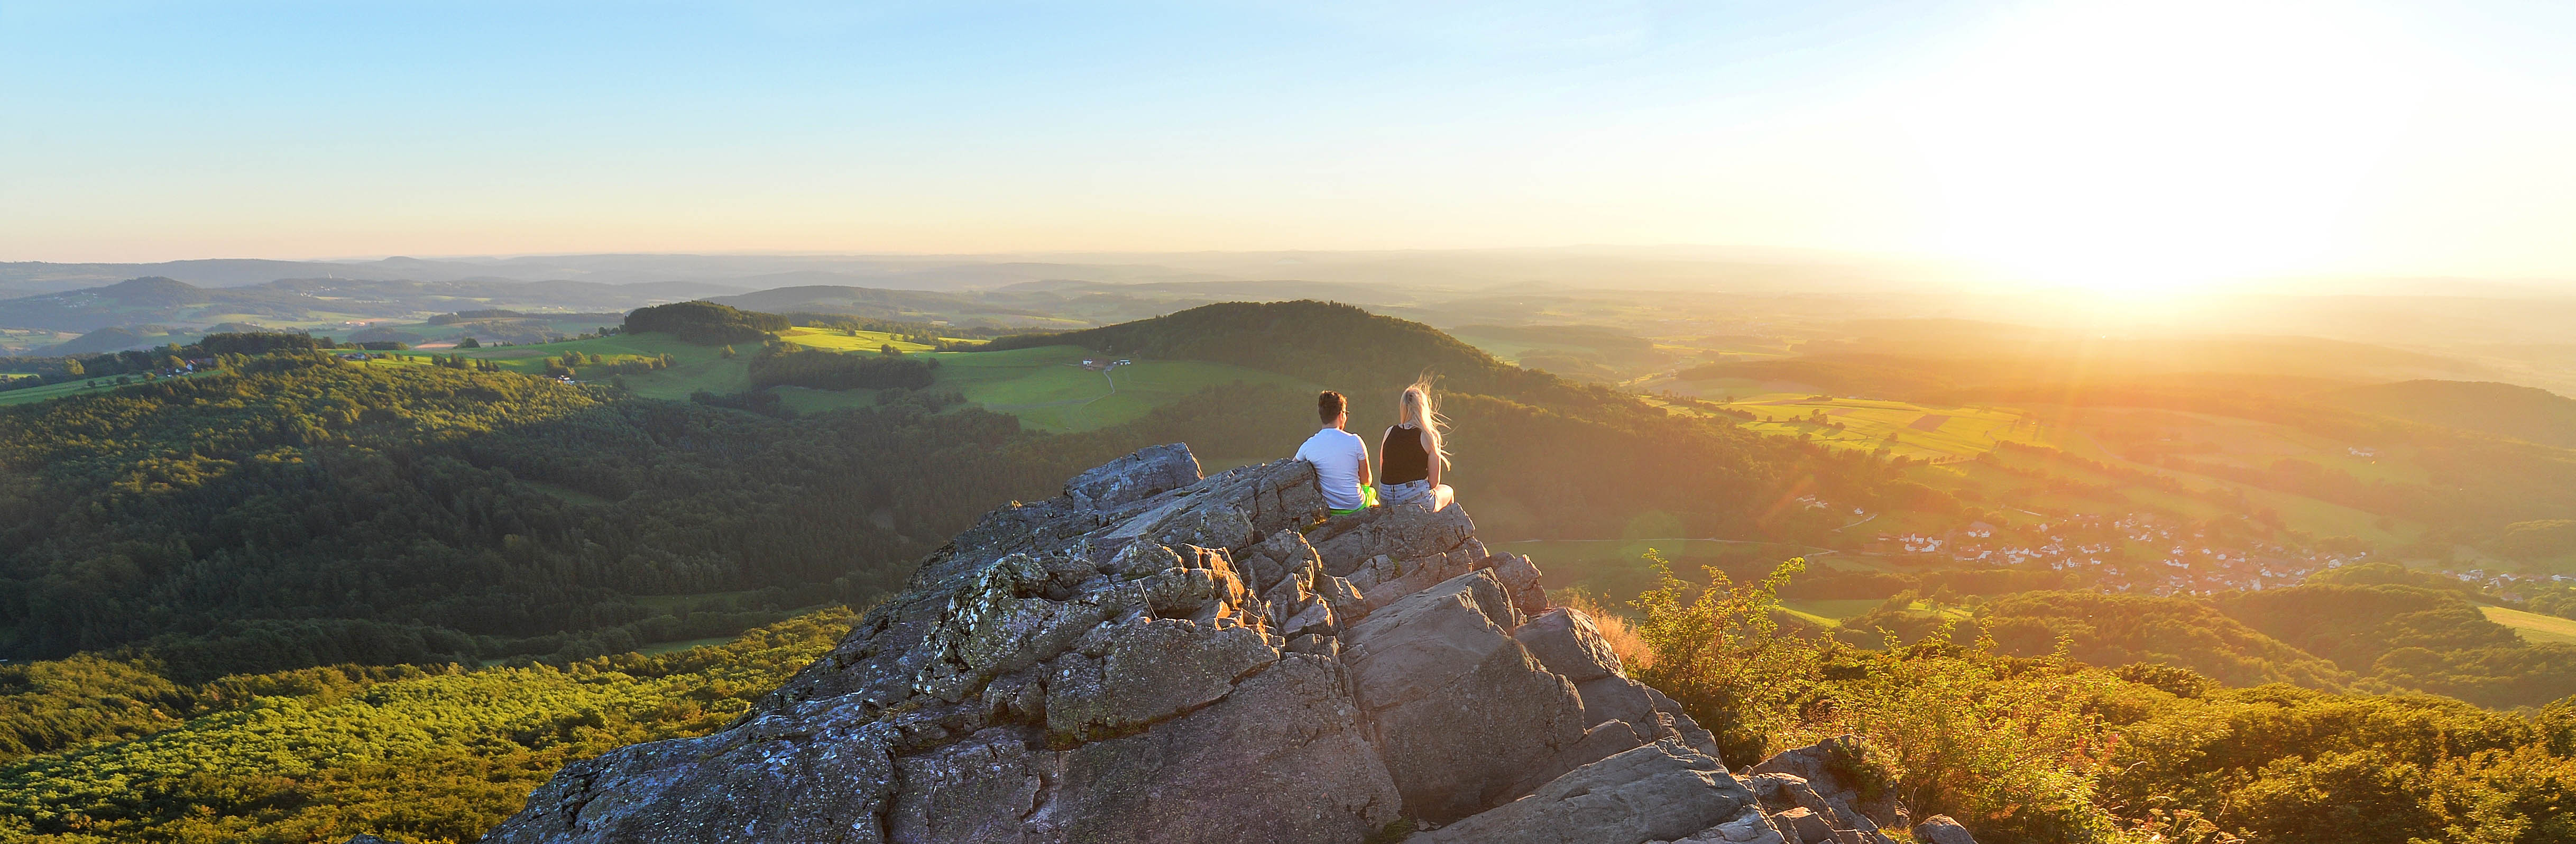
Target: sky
{"x": 2113, "y": 145}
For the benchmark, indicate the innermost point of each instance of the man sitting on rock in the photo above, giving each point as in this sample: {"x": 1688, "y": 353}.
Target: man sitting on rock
{"x": 1340, "y": 457}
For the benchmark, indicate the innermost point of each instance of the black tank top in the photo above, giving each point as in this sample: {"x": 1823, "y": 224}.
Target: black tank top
{"x": 1401, "y": 458}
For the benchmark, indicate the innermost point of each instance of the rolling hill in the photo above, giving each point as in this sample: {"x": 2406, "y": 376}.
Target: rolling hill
{"x": 2523, "y": 413}
{"x": 310, "y": 303}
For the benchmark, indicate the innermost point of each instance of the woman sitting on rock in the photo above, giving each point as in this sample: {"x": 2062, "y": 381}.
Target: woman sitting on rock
{"x": 1410, "y": 459}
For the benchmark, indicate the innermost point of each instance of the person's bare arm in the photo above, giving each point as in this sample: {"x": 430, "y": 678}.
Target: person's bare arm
{"x": 1365, "y": 477}
{"x": 1432, "y": 464}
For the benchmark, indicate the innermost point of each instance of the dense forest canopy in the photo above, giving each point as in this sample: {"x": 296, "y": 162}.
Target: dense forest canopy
{"x": 305, "y": 511}
{"x": 1336, "y": 345}
{"x": 780, "y": 365}
{"x": 705, "y": 323}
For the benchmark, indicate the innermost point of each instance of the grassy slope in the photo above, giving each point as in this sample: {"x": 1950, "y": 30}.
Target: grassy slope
{"x": 32, "y": 395}
{"x": 1045, "y": 386}
{"x": 848, "y": 341}
{"x": 1970, "y": 431}
{"x": 2533, "y": 627}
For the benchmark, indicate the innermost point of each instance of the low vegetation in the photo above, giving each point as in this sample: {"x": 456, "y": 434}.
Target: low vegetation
{"x": 427, "y": 754}
{"x": 2050, "y": 749}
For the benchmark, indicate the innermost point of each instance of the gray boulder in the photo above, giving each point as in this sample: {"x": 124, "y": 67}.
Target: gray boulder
{"x": 1124, "y": 676}
{"x": 771, "y": 779}
{"x": 1811, "y": 828}
{"x": 1567, "y": 642}
{"x": 1401, "y": 533}
{"x": 1820, "y": 765}
{"x": 1659, "y": 792}
{"x": 1284, "y": 748}
{"x": 1150, "y": 471}
{"x": 1746, "y": 828}
{"x": 1808, "y": 814}
{"x": 1460, "y": 710}
{"x": 1940, "y": 829}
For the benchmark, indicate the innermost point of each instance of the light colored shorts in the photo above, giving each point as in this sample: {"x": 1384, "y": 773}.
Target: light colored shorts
{"x": 1405, "y": 493}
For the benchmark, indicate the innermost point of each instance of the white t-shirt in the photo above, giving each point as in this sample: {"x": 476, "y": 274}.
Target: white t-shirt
{"x": 1338, "y": 456}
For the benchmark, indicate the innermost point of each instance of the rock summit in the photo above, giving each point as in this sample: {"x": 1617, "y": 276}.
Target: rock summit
{"x": 1159, "y": 657}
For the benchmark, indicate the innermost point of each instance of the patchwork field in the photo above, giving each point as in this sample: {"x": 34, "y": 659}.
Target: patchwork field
{"x": 1906, "y": 429}
{"x": 850, "y": 340}
{"x": 1950, "y": 438}
{"x": 2533, "y": 627}
{"x": 1046, "y": 387}
{"x": 1049, "y": 390}
{"x": 32, "y": 395}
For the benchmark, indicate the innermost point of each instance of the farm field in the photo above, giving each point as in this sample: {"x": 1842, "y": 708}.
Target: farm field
{"x": 31, "y": 395}
{"x": 696, "y": 367}
{"x": 1049, "y": 390}
{"x": 24, "y": 340}
{"x": 513, "y": 329}
{"x": 848, "y": 341}
{"x": 2533, "y": 627}
{"x": 1832, "y": 611}
{"x": 1046, "y": 387}
{"x": 1950, "y": 437}
{"x": 1907, "y": 429}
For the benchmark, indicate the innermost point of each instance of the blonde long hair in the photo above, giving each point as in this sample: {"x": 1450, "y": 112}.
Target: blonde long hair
{"x": 1415, "y": 408}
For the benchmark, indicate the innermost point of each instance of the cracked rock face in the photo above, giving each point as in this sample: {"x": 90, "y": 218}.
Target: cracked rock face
{"x": 1159, "y": 657}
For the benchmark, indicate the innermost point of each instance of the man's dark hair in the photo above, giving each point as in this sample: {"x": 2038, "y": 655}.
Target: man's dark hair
{"x": 1329, "y": 405}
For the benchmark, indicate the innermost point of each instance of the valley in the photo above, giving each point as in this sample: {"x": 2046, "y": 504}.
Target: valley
{"x": 613, "y": 497}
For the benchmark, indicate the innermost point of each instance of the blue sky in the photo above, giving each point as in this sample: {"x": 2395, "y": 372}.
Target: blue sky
{"x": 141, "y": 131}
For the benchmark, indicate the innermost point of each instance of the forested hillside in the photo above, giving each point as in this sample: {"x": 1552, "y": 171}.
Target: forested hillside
{"x": 304, "y": 511}
{"x": 1538, "y": 455}
{"x": 2524, "y": 413}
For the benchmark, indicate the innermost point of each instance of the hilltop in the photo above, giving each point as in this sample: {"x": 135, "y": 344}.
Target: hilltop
{"x": 2524, "y": 413}
{"x": 1154, "y": 656}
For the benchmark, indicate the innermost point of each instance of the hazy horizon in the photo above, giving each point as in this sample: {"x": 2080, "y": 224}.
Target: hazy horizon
{"x": 2112, "y": 146}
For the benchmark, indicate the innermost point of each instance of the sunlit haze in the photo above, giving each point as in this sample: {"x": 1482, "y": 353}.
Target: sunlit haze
{"x": 2127, "y": 148}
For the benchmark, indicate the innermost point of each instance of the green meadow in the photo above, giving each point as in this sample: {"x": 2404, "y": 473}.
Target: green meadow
{"x": 2533, "y": 627}
{"x": 1905, "y": 429}
{"x": 1046, "y": 387}
{"x": 1049, "y": 390}
{"x": 100, "y": 384}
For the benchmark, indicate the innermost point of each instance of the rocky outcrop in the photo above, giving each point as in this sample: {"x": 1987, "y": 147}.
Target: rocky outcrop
{"x": 1658, "y": 792}
{"x": 1940, "y": 829}
{"x": 1818, "y": 782}
{"x": 1159, "y": 657}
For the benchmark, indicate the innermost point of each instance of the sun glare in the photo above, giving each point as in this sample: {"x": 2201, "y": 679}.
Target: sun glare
{"x": 2142, "y": 149}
